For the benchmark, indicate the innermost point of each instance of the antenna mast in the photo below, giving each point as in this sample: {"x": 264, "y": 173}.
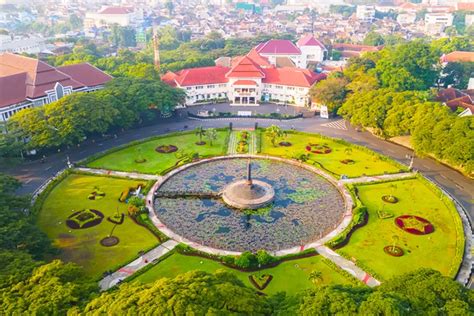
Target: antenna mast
{"x": 156, "y": 48}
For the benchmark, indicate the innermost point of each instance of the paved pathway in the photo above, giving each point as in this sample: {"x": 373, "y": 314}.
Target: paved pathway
{"x": 132, "y": 175}
{"x": 348, "y": 265}
{"x": 339, "y": 124}
{"x": 253, "y": 143}
{"x": 129, "y": 269}
{"x": 232, "y": 145}
{"x": 378, "y": 178}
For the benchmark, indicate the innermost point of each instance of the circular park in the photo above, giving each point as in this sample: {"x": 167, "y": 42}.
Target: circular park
{"x": 273, "y": 211}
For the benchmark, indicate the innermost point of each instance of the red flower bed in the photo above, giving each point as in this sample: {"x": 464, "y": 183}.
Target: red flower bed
{"x": 318, "y": 149}
{"x": 414, "y": 224}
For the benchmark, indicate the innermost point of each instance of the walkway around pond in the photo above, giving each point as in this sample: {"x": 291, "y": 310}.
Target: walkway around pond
{"x": 384, "y": 177}
{"x": 348, "y": 266}
{"x": 137, "y": 264}
{"x": 131, "y": 175}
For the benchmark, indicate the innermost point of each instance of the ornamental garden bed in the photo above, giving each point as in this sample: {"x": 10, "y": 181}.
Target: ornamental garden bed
{"x": 348, "y": 161}
{"x": 200, "y": 143}
{"x": 415, "y": 225}
{"x": 318, "y": 148}
{"x": 166, "y": 149}
{"x": 390, "y": 199}
{"x": 393, "y": 251}
{"x": 84, "y": 219}
{"x": 96, "y": 194}
{"x": 109, "y": 241}
{"x": 285, "y": 144}
{"x": 260, "y": 281}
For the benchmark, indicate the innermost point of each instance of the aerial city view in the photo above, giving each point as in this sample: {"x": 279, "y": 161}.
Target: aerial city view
{"x": 236, "y": 157}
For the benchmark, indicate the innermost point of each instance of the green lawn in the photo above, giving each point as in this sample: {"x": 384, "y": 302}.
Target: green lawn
{"x": 365, "y": 162}
{"x": 124, "y": 159}
{"x": 82, "y": 245}
{"x": 440, "y": 250}
{"x": 290, "y": 276}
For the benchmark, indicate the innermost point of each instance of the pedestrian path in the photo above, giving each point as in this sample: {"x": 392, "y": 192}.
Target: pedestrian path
{"x": 383, "y": 177}
{"x": 132, "y": 175}
{"x": 348, "y": 266}
{"x": 137, "y": 264}
{"x": 339, "y": 124}
{"x": 233, "y": 140}
{"x": 253, "y": 143}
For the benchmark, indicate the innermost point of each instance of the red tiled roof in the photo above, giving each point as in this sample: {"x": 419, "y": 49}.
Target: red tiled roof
{"x": 309, "y": 40}
{"x": 245, "y": 83}
{"x": 246, "y": 68}
{"x": 258, "y": 59}
{"x": 202, "y": 75}
{"x": 356, "y": 48}
{"x": 466, "y": 6}
{"x": 458, "y": 56}
{"x": 276, "y": 47}
{"x": 40, "y": 77}
{"x": 292, "y": 77}
{"x": 169, "y": 78}
{"x": 116, "y": 10}
{"x": 86, "y": 74}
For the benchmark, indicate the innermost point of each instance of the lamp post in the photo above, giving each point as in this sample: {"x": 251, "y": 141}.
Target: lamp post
{"x": 412, "y": 158}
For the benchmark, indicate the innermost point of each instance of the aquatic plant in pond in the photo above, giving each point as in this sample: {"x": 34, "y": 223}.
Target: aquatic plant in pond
{"x": 306, "y": 206}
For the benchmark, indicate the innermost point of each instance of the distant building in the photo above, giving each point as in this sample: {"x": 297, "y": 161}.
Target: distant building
{"x": 365, "y": 13}
{"x": 438, "y": 19}
{"x": 22, "y": 44}
{"x": 28, "y": 82}
{"x": 354, "y": 50}
{"x": 123, "y": 16}
{"x": 406, "y": 18}
{"x": 254, "y": 78}
{"x": 458, "y": 56}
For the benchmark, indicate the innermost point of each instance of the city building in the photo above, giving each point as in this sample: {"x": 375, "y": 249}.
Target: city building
{"x": 365, "y": 13}
{"x": 250, "y": 79}
{"x": 28, "y": 82}
{"x": 22, "y": 44}
{"x": 123, "y": 16}
{"x": 354, "y": 50}
{"x": 438, "y": 19}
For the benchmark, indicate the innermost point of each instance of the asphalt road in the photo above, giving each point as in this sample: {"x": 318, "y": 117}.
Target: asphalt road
{"x": 34, "y": 173}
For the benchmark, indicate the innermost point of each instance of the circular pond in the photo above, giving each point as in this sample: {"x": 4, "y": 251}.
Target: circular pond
{"x": 305, "y": 207}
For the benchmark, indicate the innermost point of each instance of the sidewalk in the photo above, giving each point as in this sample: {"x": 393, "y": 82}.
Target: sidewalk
{"x": 132, "y": 175}
{"x": 348, "y": 266}
{"x": 129, "y": 269}
{"x": 383, "y": 177}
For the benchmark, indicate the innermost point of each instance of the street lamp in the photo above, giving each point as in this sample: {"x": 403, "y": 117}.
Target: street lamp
{"x": 412, "y": 158}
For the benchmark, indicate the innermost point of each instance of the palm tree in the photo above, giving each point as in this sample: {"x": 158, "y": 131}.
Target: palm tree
{"x": 273, "y": 132}
{"x": 200, "y": 132}
{"x": 315, "y": 276}
{"x": 211, "y": 134}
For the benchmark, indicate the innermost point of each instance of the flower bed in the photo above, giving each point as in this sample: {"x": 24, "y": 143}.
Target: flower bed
{"x": 96, "y": 195}
{"x": 200, "y": 143}
{"x": 166, "y": 149}
{"x": 109, "y": 241}
{"x": 348, "y": 161}
{"x": 260, "y": 281}
{"x": 285, "y": 144}
{"x": 393, "y": 251}
{"x": 414, "y": 224}
{"x": 84, "y": 219}
{"x": 318, "y": 148}
{"x": 117, "y": 222}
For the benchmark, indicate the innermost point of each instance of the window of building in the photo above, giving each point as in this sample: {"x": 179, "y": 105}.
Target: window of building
{"x": 211, "y": 86}
{"x": 199, "y": 87}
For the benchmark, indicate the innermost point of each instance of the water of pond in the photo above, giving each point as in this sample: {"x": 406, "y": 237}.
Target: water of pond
{"x": 306, "y": 206}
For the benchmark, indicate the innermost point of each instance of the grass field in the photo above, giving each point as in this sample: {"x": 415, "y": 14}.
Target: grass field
{"x": 82, "y": 245}
{"x": 124, "y": 159}
{"x": 290, "y": 276}
{"x": 439, "y": 250}
{"x": 365, "y": 162}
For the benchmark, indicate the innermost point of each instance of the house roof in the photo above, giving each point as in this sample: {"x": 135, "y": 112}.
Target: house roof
{"x": 309, "y": 40}
{"x": 116, "y": 10}
{"x": 278, "y": 47}
{"x": 39, "y": 77}
{"x": 246, "y": 68}
{"x": 292, "y": 77}
{"x": 200, "y": 76}
{"x": 245, "y": 83}
{"x": 356, "y": 47}
{"x": 458, "y": 56}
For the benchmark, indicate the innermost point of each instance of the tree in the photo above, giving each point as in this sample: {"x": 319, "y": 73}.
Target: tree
{"x": 457, "y": 74}
{"x": 315, "y": 276}
{"x": 51, "y": 289}
{"x": 193, "y": 292}
{"x": 374, "y": 39}
{"x": 200, "y": 132}
{"x": 211, "y": 134}
{"x": 330, "y": 92}
{"x": 273, "y": 132}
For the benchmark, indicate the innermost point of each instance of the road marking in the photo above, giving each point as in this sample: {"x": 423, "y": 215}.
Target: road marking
{"x": 339, "y": 124}
{"x": 28, "y": 181}
{"x": 48, "y": 168}
{"x": 459, "y": 187}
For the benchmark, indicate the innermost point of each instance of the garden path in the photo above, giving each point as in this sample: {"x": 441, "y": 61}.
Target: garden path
{"x": 132, "y": 175}
{"x": 348, "y": 266}
{"x": 137, "y": 264}
{"x": 383, "y": 177}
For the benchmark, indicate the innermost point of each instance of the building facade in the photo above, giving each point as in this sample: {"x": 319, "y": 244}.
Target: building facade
{"x": 27, "y": 82}
{"x": 256, "y": 77}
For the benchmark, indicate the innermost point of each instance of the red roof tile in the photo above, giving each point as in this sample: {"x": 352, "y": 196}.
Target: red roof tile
{"x": 309, "y": 40}
{"x": 116, "y": 10}
{"x": 12, "y": 89}
{"x": 86, "y": 74}
{"x": 278, "y": 47}
{"x": 292, "y": 77}
{"x": 356, "y": 48}
{"x": 169, "y": 78}
{"x": 246, "y": 68}
{"x": 245, "y": 83}
{"x": 458, "y": 56}
{"x": 202, "y": 75}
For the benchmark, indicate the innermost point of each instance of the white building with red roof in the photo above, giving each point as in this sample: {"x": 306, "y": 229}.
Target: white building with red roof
{"x": 108, "y": 15}
{"x": 27, "y": 82}
{"x": 252, "y": 78}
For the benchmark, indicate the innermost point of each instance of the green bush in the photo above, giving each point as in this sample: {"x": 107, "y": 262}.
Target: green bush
{"x": 246, "y": 260}
{"x": 264, "y": 258}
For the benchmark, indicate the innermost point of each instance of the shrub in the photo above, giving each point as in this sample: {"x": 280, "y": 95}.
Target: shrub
{"x": 264, "y": 258}
{"x": 246, "y": 260}
{"x": 137, "y": 202}
{"x": 133, "y": 210}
